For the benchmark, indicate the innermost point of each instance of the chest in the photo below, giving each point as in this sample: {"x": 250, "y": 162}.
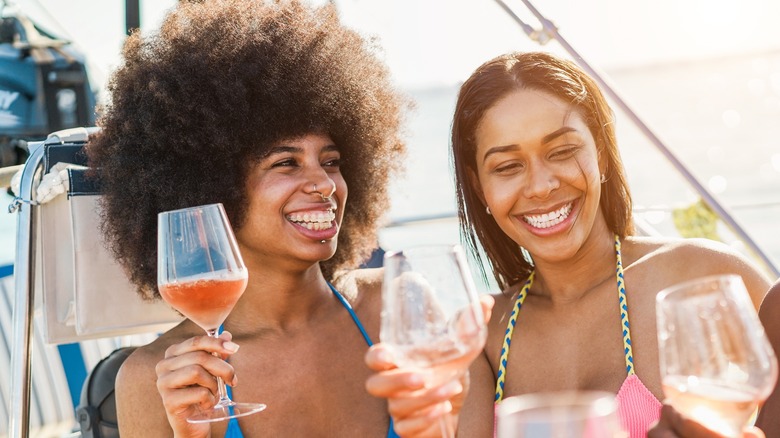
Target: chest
{"x": 313, "y": 382}
{"x": 582, "y": 346}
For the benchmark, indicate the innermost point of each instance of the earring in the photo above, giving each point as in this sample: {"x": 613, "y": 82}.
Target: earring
{"x": 603, "y": 178}
{"x": 487, "y": 210}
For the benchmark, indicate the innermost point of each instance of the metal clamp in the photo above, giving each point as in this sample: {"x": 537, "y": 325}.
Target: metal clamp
{"x": 17, "y": 203}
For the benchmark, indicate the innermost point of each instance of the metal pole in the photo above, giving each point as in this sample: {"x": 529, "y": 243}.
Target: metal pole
{"x": 552, "y": 31}
{"x": 24, "y": 286}
{"x": 132, "y": 15}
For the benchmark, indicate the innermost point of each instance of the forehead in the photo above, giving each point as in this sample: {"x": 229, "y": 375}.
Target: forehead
{"x": 524, "y": 117}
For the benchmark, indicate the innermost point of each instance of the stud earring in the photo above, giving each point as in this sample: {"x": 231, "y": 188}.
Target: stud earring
{"x": 487, "y": 210}
{"x": 603, "y": 178}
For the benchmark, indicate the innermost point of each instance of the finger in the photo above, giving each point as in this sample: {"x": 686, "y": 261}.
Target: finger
{"x": 195, "y": 368}
{"x": 677, "y": 425}
{"x": 425, "y": 425}
{"x": 380, "y": 358}
{"x": 487, "y": 302}
{"x": 753, "y": 432}
{"x": 422, "y": 402}
{"x": 394, "y": 383}
{"x": 218, "y": 345}
{"x": 185, "y": 401}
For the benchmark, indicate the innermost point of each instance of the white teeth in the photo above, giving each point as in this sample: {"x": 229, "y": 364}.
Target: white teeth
{"x": 550, "y": 219}
{"x": 318, "y": 220}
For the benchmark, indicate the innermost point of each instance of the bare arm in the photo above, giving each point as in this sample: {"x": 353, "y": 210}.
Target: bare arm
{"x": 156, "y": 392}
{"x": 768, "y": 418}
{"x": 477, "y": 413}
{"x": 140, "y": 412}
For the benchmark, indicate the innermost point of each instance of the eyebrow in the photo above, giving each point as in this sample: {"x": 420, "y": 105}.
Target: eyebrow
{"x": 281, "y": 149}
{"x": 546, "y": 139}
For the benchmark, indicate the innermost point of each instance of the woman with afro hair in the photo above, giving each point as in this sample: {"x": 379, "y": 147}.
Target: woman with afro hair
{"x": 277, "y": 111}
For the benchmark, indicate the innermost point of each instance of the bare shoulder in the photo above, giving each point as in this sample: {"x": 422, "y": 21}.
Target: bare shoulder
{"x": 499, "y": 319}
{"x": 677, "y": 260}
{"x": 142, "y": 362}
{"x": 139, "y": 405}
{"x": 770, "y": 307}
{"x": 361, "y": 287}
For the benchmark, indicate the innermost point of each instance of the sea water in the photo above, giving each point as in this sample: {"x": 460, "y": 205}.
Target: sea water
{"x": 718, "y": 116}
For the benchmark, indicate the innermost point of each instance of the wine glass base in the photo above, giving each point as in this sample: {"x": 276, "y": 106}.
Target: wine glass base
{"x": 221, "y": 413}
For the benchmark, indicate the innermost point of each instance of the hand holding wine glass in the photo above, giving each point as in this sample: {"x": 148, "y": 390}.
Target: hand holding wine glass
{"x": 431, "y": 316}
{"x": 201, "y": 274}
{"x": 717, "y": 366}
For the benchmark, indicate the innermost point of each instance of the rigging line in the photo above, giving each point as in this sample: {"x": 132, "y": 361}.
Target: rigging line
{"x": 552, "y": 31}
{"x": 62, "y": 30}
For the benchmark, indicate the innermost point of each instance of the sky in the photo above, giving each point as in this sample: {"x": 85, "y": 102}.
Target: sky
{"x": 644, "y": 45}
{"x": 433, "y": 42}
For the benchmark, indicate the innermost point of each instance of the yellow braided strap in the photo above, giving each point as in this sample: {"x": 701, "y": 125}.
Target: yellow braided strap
{"x": 510, "y": 328}
{"x": 621, "y": 285}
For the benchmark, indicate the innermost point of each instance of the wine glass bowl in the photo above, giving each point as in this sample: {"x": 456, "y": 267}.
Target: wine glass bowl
{"x": 561, "y": 414}
{"x": 431, "y": 316}
{"x": 201, "y": 274}
{"x": 717, "y": 365}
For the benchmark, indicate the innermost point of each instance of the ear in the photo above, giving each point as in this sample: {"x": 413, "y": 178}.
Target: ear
{"x": 474, "y": 182}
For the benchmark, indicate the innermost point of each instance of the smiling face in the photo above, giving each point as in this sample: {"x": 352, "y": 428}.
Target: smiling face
{"x": 538, "y": 170}
{"x": 288, "y": 217}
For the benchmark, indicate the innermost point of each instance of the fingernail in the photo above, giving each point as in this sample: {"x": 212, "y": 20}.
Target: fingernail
{"x": 384, "y": 356}
{"x": 230, "y": 346}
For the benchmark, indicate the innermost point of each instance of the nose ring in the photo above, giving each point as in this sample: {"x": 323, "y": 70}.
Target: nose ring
{"x": 325, "y": 198}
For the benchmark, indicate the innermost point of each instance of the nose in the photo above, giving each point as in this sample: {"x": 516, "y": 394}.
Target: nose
{"x": 320, "y": 183}
{"x": 540, "y": 181}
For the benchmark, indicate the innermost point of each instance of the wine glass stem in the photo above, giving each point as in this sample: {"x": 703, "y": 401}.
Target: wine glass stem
{"x": 446, "y": 428}
{"x": 224, "y": 400}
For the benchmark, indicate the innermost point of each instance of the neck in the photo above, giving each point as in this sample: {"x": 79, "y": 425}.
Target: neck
{"x": 280, "y": 300}
{"x": 570, "y": 280}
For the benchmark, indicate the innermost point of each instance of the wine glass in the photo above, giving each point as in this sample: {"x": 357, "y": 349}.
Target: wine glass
{"x": 563, "y": 414}
{"x": 201, "y": 274}
{"x": 431, "y": 316}
{"x": 717, "y": 366}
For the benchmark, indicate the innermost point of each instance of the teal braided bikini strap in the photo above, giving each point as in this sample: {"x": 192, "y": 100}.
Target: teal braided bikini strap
{"x": 621, "y": 285}
{"x": 510, "y": 328}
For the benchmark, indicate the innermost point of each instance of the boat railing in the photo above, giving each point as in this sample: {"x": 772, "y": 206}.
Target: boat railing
{"x": 31, "y": 281}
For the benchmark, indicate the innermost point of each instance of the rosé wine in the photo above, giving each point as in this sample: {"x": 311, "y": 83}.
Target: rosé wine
{"x": 207, "y": 302}
{"x": 725, "y": 409}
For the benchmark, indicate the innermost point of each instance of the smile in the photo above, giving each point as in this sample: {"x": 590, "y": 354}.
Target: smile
{"x": 315, "y": 221}
{"x": 550, "y": 219}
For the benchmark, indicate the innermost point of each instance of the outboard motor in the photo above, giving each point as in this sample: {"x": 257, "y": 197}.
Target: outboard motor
{"x": 44, "y": 86}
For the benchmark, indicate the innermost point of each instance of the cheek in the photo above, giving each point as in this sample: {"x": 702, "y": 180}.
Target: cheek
{"x": 500, "y": 195}
{"x": 585, "y": 169}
